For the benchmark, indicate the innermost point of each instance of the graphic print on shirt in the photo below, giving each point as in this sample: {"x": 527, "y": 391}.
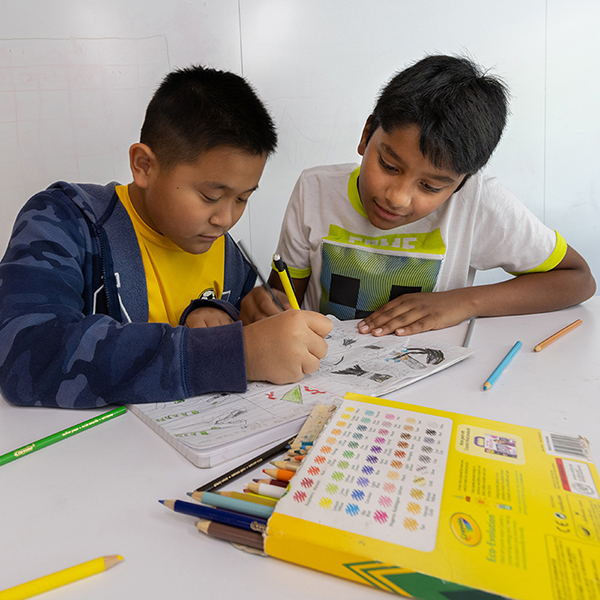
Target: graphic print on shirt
{"x": 359, "y": 274}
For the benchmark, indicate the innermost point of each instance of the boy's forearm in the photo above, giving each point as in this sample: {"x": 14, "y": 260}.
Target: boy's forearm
{"x": 570, "y": 283}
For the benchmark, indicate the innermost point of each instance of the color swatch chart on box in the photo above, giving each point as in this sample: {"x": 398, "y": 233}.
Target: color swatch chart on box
{"x": 377, "y": 472}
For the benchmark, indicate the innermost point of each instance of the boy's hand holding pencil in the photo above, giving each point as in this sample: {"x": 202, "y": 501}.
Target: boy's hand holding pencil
{"x": 285, "y": 347}
{"x": 262, "y": 301}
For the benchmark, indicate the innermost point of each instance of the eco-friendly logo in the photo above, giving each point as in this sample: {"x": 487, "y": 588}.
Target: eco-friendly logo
{"x": 465, "y": 529}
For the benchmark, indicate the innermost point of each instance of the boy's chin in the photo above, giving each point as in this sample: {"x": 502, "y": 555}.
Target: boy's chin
{"x": 197, "y": 247}
{"x": 385, "y": 225}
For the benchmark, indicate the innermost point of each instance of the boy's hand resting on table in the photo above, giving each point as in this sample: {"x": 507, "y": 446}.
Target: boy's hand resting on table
{"x": 207, "y": 316}
{"x": 258, "y": 304}
{"x": 413, "y": 313}
{"x": 285, "y": 347}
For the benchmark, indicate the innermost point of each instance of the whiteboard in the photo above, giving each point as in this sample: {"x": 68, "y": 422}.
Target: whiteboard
{"x": 75, "y": 78}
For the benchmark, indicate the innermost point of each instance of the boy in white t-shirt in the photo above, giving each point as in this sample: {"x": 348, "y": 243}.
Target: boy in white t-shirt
{"x": 396, "y": 242}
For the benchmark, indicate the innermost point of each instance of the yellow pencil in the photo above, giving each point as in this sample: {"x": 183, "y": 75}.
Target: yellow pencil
{"x": 285, "y": 281}
{"x": 558, "y": 334}
{"x": 260, "y": 497}
{"x": 49, "y": 582}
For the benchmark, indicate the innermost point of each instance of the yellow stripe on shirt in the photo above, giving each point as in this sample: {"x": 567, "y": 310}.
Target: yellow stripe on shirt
{"x": 559, "y": 252}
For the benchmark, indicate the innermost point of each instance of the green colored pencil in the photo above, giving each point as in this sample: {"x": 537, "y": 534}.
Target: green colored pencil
{"x": 61, "y": 435}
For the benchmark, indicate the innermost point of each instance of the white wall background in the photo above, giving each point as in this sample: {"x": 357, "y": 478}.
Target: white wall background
{"x": 75, "y": 77}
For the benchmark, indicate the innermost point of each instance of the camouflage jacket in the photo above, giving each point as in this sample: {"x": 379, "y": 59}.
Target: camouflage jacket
{"x": 74, "y": 328}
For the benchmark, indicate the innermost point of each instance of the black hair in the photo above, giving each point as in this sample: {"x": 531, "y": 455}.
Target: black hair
{"x": 460, "y": 110}
{"x": 198, "y": 108}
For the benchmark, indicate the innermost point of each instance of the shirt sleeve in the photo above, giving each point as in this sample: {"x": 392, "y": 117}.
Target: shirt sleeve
{"x": 294, "y": 239}
{"x": 510, "y": 236}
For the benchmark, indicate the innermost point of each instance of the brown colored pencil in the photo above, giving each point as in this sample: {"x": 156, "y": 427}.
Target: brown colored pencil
{"x": 288, "y": 465}
{"x": 557, "y": 335}
{"x": 231, "y": 534}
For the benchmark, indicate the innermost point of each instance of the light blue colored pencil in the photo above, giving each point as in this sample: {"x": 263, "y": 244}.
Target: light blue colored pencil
{"x": 492, "y": 378}
{"x": 248, "y": 508}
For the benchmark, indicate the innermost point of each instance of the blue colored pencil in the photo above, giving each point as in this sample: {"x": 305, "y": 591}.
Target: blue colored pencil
{"x": 492, "y": 378}
{"x": 219, "y": 515}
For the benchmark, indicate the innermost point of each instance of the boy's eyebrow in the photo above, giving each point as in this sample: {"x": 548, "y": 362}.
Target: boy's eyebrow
{"x": 435, "y": 176}
{"x": 216, "y": 185}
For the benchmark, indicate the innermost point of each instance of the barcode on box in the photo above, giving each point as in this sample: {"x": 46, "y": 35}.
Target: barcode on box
{"x": 559, "y": 444}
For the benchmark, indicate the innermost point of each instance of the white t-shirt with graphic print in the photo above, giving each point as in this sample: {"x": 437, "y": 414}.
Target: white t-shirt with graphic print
{"x": 355, "y": 267}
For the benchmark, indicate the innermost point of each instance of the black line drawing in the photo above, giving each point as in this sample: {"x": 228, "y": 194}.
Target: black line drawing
{"x": 356, "y": 370}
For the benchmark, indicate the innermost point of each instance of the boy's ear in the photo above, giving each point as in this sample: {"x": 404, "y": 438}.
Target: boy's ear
{"x": 364, "y": 138}
{"x": 143, "y": 163}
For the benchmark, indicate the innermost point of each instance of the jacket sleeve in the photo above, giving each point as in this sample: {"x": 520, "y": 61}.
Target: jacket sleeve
{"x": 53, "y": 354}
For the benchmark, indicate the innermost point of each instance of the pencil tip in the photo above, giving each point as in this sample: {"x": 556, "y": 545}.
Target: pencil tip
{"x": 162, "y": 501}
{"x": 111, "y": 561}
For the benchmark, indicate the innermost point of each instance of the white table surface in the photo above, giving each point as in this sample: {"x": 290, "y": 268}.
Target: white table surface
{"x": 97, "y": 493}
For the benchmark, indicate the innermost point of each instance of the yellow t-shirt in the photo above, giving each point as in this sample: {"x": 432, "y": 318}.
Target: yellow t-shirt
{"x": 168, "y": 268}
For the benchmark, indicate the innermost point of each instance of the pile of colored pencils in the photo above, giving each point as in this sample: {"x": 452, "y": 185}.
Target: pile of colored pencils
{"x": 241, "y": 518}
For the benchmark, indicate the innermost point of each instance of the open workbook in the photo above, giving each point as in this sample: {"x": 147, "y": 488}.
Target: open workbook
{"x": 213, "y": 428}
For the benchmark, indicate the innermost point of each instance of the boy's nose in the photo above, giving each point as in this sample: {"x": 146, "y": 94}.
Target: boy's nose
{"x": 398, "y": 196}
{"x": 222, "y": 217}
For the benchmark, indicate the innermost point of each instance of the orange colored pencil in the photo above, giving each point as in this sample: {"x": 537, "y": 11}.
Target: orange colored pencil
{"x": 557, "y": 335}
{"x": 281, "y": 474}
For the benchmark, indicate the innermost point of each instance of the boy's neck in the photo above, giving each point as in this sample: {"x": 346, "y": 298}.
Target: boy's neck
{"x": 136, "y": 195}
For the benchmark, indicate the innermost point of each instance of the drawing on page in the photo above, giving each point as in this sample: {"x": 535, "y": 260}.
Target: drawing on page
{"x": 231, "y": 419}
{"x": 355, "y": 370}
{"x": 294, "y": 395}
{"x": 208, "y": 423}
{"x": 432, "y": 357}
{"x": 380, "y": 377}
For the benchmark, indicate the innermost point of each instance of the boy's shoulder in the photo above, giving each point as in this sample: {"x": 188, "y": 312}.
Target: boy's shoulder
{"x": 329, "y": 171}
{"x": 91, "y": 199}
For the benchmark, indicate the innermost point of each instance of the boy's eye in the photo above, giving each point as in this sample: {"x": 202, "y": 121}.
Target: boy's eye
{"x": 431, "y": 189}
{"x": 209, "y": 199}
{"x": 386, "y": 166}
